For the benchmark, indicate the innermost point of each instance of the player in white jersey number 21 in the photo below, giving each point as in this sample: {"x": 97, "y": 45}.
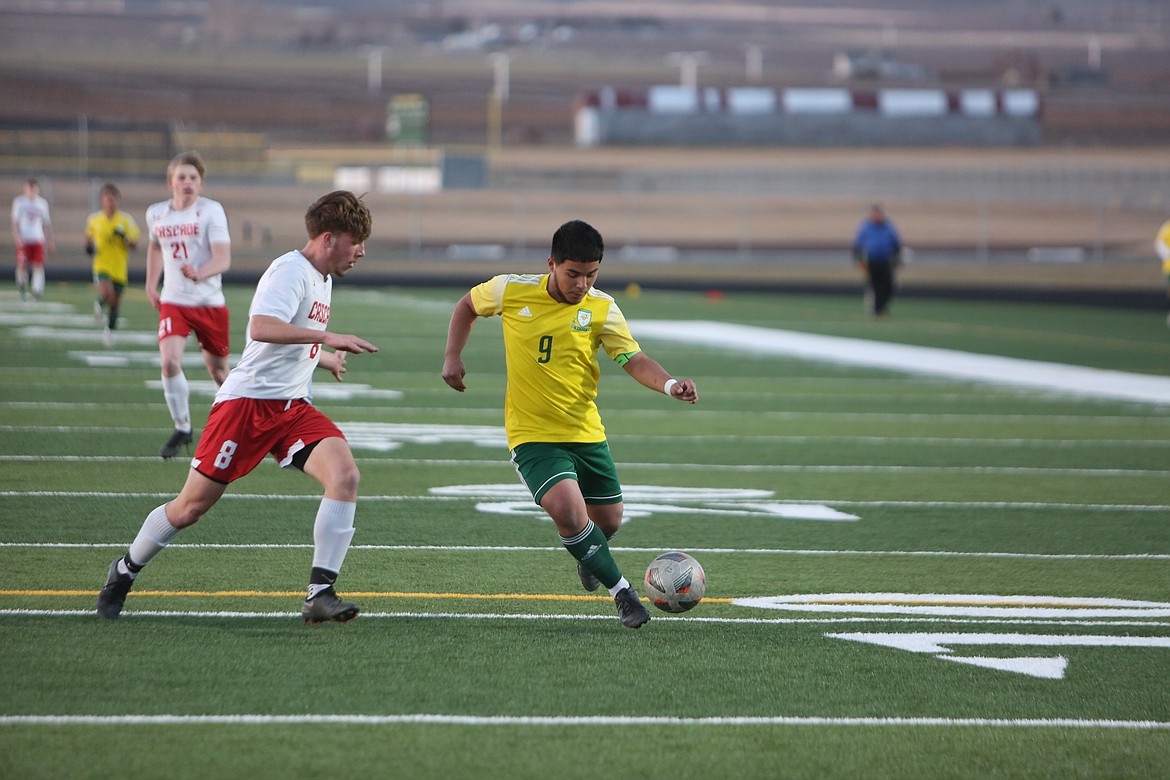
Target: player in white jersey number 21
{"x": 189, "y": 250}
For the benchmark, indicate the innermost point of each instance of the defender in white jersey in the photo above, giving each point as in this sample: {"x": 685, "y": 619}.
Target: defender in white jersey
{"x": 190, "y": 249}
{"x": 264, "y": 408}
{"x": 293, "y": 291}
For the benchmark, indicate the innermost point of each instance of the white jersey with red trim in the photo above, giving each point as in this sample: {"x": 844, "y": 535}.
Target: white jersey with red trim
{"x": 185, "y": 237}
{"x": 292, "y": 291}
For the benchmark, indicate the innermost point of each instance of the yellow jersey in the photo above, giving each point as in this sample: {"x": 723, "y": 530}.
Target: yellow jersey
{"x": 551, "y": 353}
{"x": 111, "y": 254}
{"x": 1162, "y": 247}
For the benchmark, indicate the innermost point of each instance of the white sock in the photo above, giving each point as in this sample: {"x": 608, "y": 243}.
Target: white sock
{"x": 155, "y": 534}
{"x": 38, "y": 281}
{"x": 22, "y": 279}
{"x": 332, "y": 532}
{"x": 178, "y": 394}
{"x": 622, "y": 584}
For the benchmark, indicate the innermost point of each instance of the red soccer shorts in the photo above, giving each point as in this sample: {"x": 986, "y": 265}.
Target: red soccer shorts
{"x": 30, "y": 254}
{"x": 210, "y": 324}
{"x": 241, "y": 431}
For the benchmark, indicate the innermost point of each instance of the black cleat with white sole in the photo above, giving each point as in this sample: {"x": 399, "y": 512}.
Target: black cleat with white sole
{"x": 113, "y": 595}
{"x": 588, "y": 581}
{"x": 630, "y": 609}
{"x": 178, "y": 440}
{"x": 326, "y": 607}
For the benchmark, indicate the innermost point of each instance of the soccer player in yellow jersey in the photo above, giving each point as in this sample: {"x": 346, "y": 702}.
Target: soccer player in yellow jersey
{"x": 554, "y": 324}
{"x": 110, "y": 234}
{"x": 1162, "y": 247}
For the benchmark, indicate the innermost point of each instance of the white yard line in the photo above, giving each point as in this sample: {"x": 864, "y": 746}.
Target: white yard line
{"x": 541, "y": 548}
{"x": 434, "y": 719}
{"x": 1027, "y": 505}
{"x": 493, "y": 412}
{"x": 530, "y": 616}
{"x": 778, "y": 468}
{"x": 738, "y": 437}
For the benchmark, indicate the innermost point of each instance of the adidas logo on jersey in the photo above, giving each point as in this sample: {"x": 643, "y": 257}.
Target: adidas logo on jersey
{"x": 525, "y": 312}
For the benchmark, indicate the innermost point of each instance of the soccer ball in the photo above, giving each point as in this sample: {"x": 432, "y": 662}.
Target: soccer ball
{"x": 675, "y": 582}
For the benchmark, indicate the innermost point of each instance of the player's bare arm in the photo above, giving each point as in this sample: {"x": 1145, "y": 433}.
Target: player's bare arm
{"x": 154, "y": 267}
{"x": 649, "y": 373}
{"x": 221, "y": 261}
{"x": 276, "y": 331}
{"x": 462, "y": 319}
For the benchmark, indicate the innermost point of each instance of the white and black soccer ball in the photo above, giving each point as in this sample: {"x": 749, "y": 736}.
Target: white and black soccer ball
{"x": 675, "y": 582}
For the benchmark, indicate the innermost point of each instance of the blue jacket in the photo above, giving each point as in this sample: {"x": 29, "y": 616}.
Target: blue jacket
{"x": 877, "y": 242}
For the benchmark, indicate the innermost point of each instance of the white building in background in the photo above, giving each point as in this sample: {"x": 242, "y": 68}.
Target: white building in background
{"x": 676, "y": 115}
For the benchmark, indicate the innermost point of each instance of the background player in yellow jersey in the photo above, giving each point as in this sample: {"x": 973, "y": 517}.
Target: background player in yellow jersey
{"x": 554, "y": 324}
{"x": 110, "y": 234}
{"x": 1162, "y": 247}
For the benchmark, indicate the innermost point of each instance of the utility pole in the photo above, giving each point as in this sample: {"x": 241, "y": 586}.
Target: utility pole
{"x": 501, "y": 76}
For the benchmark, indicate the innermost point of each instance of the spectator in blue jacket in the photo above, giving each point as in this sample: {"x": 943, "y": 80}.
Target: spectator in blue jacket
{"x": 878, "y": 252}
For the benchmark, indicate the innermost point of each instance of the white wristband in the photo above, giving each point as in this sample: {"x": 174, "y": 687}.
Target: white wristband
{"x": 669, "y": 384}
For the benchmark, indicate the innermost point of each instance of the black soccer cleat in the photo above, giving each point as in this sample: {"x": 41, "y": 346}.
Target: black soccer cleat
{"x": 113, "y": 595}
{"x": 588, "y": 581}
{"x": 171, "y": 448}
{"x": 630, "y": 609}
{"x": 325, "y": 607}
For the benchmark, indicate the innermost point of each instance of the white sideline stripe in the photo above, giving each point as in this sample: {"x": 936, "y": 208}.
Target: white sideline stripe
{"x": 565, "y": 720}
{"x": 955, "y": 364}
{"x": 236, "y": 614}
{"x": 1029, "y": 505}
{"x": 781, "y": 439}
{"x": 779, "y": 467}
{"x": 520, "y": 548}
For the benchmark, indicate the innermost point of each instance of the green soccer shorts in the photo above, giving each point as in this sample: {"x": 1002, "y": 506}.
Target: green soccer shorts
{"x": 543, "y": 464}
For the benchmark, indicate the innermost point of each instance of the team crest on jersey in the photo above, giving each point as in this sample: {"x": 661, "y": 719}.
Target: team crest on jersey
{"x": 584, "y": 318}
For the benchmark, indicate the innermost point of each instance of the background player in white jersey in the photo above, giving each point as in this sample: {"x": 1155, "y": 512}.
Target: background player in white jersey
{"x": 189, "y": 250}
{"x": 554, "y": 325}
{"x": 264, "y": 408}
{"x": 32, "y": 232}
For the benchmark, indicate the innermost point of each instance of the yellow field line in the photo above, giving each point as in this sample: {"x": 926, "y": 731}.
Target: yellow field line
{"x": 348, "y": 594}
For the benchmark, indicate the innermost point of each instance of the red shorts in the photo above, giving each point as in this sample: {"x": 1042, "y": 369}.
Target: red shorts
{"x": 32, "y": 254}
{"x": 210, "y": 324}
{"x": 241, "y": 431}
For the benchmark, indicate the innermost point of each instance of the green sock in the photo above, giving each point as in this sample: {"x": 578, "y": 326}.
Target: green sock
{"x": 591, "y": 548}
